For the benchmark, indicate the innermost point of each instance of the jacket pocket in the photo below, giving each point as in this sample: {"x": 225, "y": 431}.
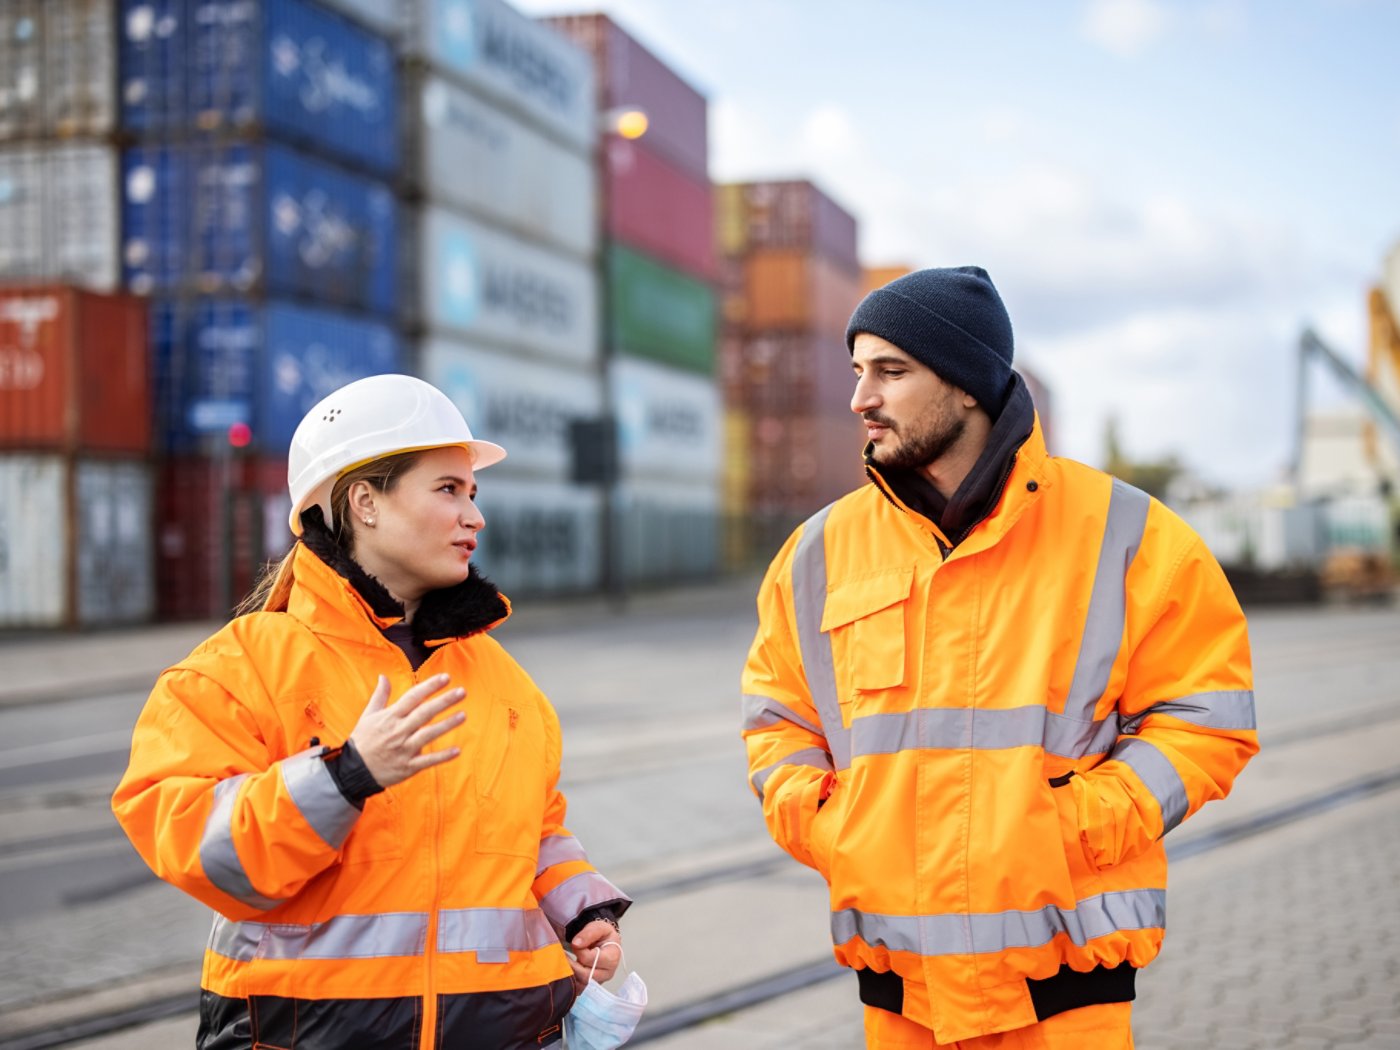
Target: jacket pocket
{"x": 821, "y": 835}
{"x": 1083, "y": 872}
{"x": 511, "y": 776}
{"x": 378, "y": 833}
{"x": 866, "y": 621}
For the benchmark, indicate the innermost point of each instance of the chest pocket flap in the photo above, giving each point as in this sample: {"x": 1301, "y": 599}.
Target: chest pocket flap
{"x": 866, "y": 619}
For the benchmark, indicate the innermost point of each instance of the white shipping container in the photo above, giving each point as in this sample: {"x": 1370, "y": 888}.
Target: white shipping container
{"x": 524, "y": 406}
{"x": 1247, "y": 532}
{"x": 57, "y": 68}
{"x": 59, "y": 216}
{"x": 484, "y": 284}
{"x": 528, "y": 67}
{"x": 541, "y": 537}
{"x": 668, "y": 531}
{"x": 469, "y": 154}
{"x": 33, "y": 541}
{"x": 1362, "y": 522}
{"x": 76, "y": 542}
{"x": 670, "y": 422}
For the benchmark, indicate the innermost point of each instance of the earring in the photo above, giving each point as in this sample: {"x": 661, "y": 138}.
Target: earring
{"x": 369, "y": 522}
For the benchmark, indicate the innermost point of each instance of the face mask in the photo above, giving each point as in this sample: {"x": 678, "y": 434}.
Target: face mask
{"x": 601, "y": 1020}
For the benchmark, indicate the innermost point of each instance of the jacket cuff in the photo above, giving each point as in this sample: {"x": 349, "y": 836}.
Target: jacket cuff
{"x": 352, "y": 776}
{"x": 607, "y": 912}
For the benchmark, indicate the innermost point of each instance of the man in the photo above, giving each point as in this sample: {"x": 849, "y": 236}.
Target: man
{"x": 982, "y": 690}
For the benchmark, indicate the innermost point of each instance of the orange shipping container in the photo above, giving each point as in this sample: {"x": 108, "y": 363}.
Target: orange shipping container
{"x": 73, "y": 371}
{"x": 873, "y": 277}
{"x": 790, "y": 288}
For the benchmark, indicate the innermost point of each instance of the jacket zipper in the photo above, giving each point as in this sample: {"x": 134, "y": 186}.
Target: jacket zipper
{"x": 1001, "y": 488}
{"x": 428, "y": 1040}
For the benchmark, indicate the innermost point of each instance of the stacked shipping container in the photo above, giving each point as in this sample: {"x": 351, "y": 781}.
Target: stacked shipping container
{"x": 259, "y": 214}
{"x": 500, "y": 129}
{"x": 790, "y": 281}
{"x": 659, "y": 268}
{"x": 75, "y": 480}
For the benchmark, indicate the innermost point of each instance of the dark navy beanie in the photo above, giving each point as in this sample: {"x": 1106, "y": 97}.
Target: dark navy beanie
{"x": 953, "y": 321}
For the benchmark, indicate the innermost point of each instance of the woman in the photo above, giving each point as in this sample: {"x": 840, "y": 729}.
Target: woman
{"x": 359, "y": 780}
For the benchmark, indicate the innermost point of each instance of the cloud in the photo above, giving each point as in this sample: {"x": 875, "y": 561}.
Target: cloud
{"x": 1124, "y": 27}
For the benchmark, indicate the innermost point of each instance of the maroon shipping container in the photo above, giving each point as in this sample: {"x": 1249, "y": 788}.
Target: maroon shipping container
{"x": 772, "y": 373}
{"x": 787, "y": 214}
{"x": 802, "y": 461}
{"x": 654, "y": 206}
{"x": 218, "y": 523}
{"x": 73, "y": 371}
{"x": 630, "y": 75}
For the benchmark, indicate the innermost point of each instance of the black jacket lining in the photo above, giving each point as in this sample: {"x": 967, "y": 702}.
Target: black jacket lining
{"x": 1067, "y": 990}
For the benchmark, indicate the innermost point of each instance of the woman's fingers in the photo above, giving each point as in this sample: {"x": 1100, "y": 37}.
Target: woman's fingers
{"x": 427, "y": 734}
{"x": 424, "y": 713}
{"x": 420, "y": 692}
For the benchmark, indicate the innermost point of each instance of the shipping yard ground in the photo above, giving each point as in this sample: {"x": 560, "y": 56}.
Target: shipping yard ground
{"x": 1285, "y": 906}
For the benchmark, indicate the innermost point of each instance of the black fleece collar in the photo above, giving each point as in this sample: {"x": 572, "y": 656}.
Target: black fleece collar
{"x": 468, "y": 608}
{"x": 981, "y": 490}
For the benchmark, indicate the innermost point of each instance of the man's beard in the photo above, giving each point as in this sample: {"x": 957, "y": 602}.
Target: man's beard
{"x": 921, "y": 446}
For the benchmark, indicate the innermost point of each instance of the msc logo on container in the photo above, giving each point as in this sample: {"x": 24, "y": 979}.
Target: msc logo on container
{"x": 327, "y": 82}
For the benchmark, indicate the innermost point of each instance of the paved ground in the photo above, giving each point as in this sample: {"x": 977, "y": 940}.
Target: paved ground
{"x": 1287, "y": 939}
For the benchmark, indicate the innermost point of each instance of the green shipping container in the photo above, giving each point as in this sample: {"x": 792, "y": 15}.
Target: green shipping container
{"x": 658, "y": 313}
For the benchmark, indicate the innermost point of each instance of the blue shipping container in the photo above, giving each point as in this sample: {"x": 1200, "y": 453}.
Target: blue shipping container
{"x": 225, "y": 361}
{"x": 240, "y": 218}
{"x": 289, "y": 67}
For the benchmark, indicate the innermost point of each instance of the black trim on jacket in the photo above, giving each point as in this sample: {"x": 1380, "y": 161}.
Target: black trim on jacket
{"x": 1067, "y": 990}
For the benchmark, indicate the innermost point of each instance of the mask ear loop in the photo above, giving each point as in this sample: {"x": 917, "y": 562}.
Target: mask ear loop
{"x": 598, "y": 953}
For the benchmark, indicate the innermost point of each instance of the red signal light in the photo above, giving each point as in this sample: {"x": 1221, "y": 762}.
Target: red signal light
{"x": 240, "y": 435}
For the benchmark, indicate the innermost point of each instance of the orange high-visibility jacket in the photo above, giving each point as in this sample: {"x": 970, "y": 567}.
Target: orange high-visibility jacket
{"x": 410, "y": 925}
{"x": 910, "y": 722}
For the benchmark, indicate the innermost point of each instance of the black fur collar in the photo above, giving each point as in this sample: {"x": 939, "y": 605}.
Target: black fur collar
{"x": 453, "y": 612}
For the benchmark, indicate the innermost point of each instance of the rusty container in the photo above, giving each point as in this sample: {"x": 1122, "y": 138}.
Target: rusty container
{"x": 74, "y": 373}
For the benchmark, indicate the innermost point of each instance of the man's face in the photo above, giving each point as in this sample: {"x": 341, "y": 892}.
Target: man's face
{"x": 911, "y": 415}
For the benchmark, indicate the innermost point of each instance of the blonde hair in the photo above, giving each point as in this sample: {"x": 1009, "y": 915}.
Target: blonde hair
{"x": 274, "y": 586}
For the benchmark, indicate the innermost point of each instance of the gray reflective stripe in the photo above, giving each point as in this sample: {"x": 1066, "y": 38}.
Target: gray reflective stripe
{"x": 342, "y": 937}
{"x": 1103, "y": 626}
{"x": 559, "y": 849}
{"x": 1222, "y": 709}
{"x": 493, "y": 933}
{"x": 217, "y": 854}
{"x": 997, "y": 931}
{"x": 1160, "y": 777}
{"x": 1071, "y": 738}
{"x": 313, "y": 789}
{"x": 808, "y": 756}
{"x": 567, "y": 901}
{"x": 980, "y": 729}
{"x": 760, "y": 711}
{"x": 818, "y": 664}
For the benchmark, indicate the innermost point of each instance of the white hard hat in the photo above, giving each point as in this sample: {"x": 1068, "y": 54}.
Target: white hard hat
{"x": 365, "y": 420}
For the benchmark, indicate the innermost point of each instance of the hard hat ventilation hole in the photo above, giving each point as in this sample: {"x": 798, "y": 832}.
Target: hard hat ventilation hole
{"x": 330, "y": 416}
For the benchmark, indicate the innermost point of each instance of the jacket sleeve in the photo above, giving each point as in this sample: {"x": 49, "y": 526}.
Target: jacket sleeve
{"x": 790, "y": 767}
{"x": 212, "y": 811}
{"x": 1186, "y": 715}
{"x": 566, "y": 883}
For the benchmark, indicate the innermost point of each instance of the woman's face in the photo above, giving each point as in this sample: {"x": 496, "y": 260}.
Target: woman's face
{"x": 425, "y": 528}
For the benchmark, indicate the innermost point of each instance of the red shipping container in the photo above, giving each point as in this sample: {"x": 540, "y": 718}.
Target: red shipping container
{"x": 654, "y": 206}
{"x": 73, "y": 371}
{"x": 630, "y": 75}
{"x": 219, "y": 522}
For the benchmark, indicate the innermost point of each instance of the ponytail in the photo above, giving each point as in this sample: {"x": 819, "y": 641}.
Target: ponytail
{"x": 273, "y": 588}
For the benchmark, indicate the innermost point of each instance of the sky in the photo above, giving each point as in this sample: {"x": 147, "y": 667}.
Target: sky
{"x": 1165, "y": 193}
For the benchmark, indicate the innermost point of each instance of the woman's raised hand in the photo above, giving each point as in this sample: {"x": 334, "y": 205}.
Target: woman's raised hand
{"x": 391, "y": 737}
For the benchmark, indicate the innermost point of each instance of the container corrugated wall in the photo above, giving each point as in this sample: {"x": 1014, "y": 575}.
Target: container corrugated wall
{"x": 660, "y": 313}
{"x": 267, "y": 219}
{"x": 75, "y": 541}
{"x": 59, "y": 214}
{"x": 57, "y": 75}
{"x": 483, "y": 284}
{"x": 74, "y": 372}
{"x": 658, "y": 208}
{"x": 523, "y": 66}
{"x": 541, "y": 537}
{"x": 465, "y": 153}
{"x": 292, "y": 68}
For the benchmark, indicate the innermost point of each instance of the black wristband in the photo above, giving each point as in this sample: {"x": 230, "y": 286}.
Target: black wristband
{"x": 347, "y": 768}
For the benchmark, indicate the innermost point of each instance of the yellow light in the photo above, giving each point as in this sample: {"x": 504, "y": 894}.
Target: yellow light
{"x": 632, "y": 124}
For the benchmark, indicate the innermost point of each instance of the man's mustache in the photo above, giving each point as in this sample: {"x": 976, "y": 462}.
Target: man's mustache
{"x": 879, "y": 420}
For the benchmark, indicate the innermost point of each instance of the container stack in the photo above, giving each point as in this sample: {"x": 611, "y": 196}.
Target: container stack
{"x": 260, "y": 217}
{"x": 790, "y": 281}
{"x": 75, "y": 476}
{"x": 500, "y": 129}
{"x": 659, "y": 270}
